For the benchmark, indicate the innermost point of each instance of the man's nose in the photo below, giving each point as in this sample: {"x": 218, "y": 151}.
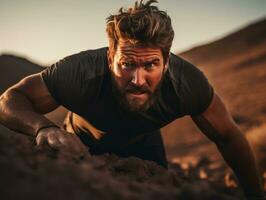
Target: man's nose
{"x": 138, "y": 77}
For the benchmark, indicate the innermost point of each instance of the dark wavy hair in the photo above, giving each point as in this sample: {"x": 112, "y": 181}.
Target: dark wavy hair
{"x": 143, "y": 25}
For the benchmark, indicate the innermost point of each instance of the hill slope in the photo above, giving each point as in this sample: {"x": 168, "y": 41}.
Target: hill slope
{"x": 236, "y": 66}
{"x": 14, "y": 68}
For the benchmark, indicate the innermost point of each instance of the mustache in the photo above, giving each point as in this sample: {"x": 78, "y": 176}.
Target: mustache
{"x": 132, "y": 88}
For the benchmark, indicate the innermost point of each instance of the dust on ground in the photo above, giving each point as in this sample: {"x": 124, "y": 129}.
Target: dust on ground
{"x": 30, "y": 173}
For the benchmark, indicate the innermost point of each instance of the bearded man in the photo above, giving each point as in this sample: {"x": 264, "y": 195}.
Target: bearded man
{"x": 120, "y": 96}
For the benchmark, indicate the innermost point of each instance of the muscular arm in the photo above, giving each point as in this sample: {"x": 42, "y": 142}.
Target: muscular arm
{"x": 22, "y": 105}
{"x": 217, "y": 124}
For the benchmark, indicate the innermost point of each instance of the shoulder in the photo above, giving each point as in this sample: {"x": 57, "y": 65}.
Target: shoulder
{"x": 74, "y": 80}
{"x": 190, "y": 84}
{"x": 99, "y": 53}
{"x": 183, "y": 71}
{"x": 89, "y": 63}
{"x": 179, "y": 65}
{"x": 91, "y": 56}
{"x": 179, "y": 68}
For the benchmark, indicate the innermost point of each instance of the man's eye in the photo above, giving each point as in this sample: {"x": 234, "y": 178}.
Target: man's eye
{"x": 126, "y": 65}
{"x": 150, "y": 65}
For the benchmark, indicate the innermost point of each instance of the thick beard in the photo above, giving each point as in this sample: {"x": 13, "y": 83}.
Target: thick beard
{"x": 133, "y": 105}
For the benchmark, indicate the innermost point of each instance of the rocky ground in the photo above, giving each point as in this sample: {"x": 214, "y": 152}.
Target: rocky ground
{"x": 30, "y": 173}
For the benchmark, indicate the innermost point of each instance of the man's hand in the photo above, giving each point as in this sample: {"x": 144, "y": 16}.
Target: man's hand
{"x": 61, "y": 140}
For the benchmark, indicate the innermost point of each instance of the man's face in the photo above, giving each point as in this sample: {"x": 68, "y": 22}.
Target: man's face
{"x": 136, "y": 73}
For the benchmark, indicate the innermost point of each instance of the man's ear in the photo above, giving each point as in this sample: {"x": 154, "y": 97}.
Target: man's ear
{"x": 110, "y": 59}
{"x": 166, "y": 64}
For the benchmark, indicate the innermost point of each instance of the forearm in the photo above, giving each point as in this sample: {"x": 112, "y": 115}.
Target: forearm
{"x": 17, "y": 113}
{"x": 239, "y": 156}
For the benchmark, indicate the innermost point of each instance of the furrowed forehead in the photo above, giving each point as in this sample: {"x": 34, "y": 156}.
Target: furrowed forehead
{"x": 138, "y": 56}
{"x": 128, "y": 50}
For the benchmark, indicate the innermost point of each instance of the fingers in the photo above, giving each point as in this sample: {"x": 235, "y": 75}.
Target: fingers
{"x": 68, "y": 142}
{"x": 42, "y": 137}
{"x": 61, "y": 140}
{"x": 40, "y": 140}
{"x": 54, "y": 141}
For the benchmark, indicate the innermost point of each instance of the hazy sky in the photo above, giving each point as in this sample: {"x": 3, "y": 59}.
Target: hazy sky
{"x": 48, "y": 30}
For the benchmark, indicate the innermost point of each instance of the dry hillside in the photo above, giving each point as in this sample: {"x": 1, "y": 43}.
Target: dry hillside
{"x": 236, "y": 67}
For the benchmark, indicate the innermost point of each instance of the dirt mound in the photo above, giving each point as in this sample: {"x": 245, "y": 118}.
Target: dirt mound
{"x": 28, "y": 173}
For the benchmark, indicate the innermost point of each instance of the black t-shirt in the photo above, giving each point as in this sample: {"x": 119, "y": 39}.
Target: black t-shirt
{"x": 82, "y": 83}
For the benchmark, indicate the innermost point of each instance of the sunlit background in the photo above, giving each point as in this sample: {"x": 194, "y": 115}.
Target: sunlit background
{"x": 46, "y": 31}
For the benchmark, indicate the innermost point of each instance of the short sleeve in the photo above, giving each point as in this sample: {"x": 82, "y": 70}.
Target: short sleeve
{"x": 64, "y": 81}
{"x": 196, "y": 93}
